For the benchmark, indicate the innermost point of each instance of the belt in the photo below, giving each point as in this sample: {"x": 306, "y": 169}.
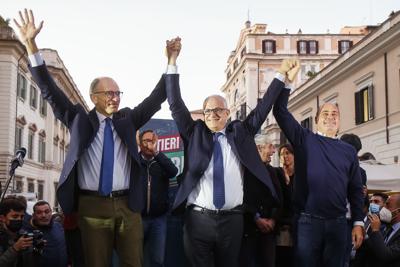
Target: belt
{"x": 113, "y": 194}
{"x": 235, "y": 210}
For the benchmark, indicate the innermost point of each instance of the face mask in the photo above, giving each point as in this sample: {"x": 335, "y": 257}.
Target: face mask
{"x": 374, "y": 208}
{"x": 385, "y": 215}
{"x": 14, "y": 225}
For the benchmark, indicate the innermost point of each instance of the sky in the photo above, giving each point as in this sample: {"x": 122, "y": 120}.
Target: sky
{"x": 125, "y": 39}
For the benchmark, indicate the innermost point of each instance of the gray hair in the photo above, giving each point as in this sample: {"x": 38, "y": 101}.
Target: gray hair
{"x": 93, "y": 85}
{"x": 215, "y": 96}
{"x": 262, "y": 139}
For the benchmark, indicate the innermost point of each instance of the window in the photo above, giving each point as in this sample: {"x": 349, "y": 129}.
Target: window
{"x": 308, "y": 71}
{"x": 242, "y": 111}
{"x": 33, "y": 97}
{"x": 268, "y": 46}
{"x": 313, "y": 47}
{"x": 19, "y": 131}
{"x": 42, "y": 150}
{"x": 307, "y": 47}
{"x": 364, "y": 105}
{"x": 31, "y": 138}
{"x": 40, "y": 190}
{"x": 19, "y": 184}
{"x": 344, "y": 45}
{"x": 307, "y": 123}
{"x": 21, "y": 90}
{"x": 228, "y": 75}
{"x": 302, "y": 47}
{"x": 31, "y": 186}
{"x": 235, "y": 64}
{"x": 43, "y": 106}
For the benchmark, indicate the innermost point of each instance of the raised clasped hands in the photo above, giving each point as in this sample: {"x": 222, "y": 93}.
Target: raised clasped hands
{"x": 289, "y": 68}
{"x": 172, "y": 50}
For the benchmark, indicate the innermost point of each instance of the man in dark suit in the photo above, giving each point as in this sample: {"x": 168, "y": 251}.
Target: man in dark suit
{"x": 217, "y": 154}
{"x": 101, "y": 175}
{"x": 383, "y": 249}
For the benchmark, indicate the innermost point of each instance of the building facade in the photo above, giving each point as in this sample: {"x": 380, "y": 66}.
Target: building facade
{"x": 258, "y": 54}
{"x": 365, "y": 83}
{"x": 27, "y": 121}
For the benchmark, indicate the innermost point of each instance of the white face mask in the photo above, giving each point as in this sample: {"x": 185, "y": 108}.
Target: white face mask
{"x": 385, "y": 215}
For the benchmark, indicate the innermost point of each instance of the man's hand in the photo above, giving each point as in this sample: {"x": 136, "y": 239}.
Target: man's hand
{"x": 265, "y": 225}
{"x": 152, "y": 147}
{"x": 172, "y": 50}
{"x": 357, "y": 235}
{"x": 289, "y": 68}
{"x": 375, "y": 222}
{"x": 22, "y": 243}
{"x": 28, "y": 30}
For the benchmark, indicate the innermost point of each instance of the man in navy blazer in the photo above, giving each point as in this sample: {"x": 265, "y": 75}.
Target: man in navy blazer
{"x": 217, "y": 154}
{"x": 100, "y": 178}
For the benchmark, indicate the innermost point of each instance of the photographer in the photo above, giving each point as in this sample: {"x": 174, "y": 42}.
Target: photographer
{"x": 14, "y": 249}
{"x": 48, "y": 241}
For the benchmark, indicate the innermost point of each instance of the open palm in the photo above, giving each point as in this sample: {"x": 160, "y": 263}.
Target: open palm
{"x": 27, "y": 28}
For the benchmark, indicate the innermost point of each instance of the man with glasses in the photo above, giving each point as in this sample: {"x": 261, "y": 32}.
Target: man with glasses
{"x": 100, "y": 178}
{"x": 217, "y": 154}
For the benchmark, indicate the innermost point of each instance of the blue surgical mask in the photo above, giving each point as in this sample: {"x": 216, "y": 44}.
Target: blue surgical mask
{"x": 374, "y": 208}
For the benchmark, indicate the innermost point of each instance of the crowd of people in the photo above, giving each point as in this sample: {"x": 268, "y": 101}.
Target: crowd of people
{"x": 237, "y": 209}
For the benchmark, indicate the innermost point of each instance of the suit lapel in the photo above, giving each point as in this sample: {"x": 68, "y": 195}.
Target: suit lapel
{"x": 94, "y": 120}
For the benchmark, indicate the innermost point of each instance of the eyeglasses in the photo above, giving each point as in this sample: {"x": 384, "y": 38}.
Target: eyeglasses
{"x": 218, "y": 111}
{"x": 148, "y": 141}
{"x": 110, "y": 94}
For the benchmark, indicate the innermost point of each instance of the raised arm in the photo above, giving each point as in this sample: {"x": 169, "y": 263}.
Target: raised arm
{"x": 288, "y": 124}
{"x": 63, "y": 108}
{"x": 258, "y": 115}
{"x": 179, "y": 111}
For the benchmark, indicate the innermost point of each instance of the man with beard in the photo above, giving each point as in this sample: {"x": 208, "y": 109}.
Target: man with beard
{"x": 54, "y": 251}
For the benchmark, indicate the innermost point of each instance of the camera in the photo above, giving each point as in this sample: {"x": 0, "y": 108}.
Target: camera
{"x": 37, "y": 240}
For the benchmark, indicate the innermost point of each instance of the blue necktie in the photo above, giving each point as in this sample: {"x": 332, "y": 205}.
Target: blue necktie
{"x": 107, "y": 161}
{"x": 218, "y": 174}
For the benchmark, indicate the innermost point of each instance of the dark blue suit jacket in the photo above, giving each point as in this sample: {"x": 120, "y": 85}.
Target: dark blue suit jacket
{"x": 198, "y": 139}
{"x": 83, "y": 128}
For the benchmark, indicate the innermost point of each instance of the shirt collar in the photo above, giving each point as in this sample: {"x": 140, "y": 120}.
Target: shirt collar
{"x": 101, "y": 117}
{"x": 222, "y": 131}
{"x": 396, "y": 226}
{"x": 324, "y": 135}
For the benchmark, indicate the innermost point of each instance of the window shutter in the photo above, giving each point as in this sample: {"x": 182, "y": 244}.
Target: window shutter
{"x": 358, "y": 107}
{"x": 263, "y": 46}
{"x": 340, "y": 47}
{"x": 298, "y": 47}
{"x": 316, "y": 47}
{"x": 370, "y": 102}
{"x": 274, "y": 47}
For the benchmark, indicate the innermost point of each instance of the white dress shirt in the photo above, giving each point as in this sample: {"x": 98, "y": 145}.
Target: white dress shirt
{"x": 202, "y": 195}
{"x": 90, "y": 161}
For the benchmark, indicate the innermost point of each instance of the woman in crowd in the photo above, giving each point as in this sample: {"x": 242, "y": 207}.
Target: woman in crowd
{"x": 284, "y": 250}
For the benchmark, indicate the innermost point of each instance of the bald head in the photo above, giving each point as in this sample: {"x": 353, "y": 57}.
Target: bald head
{"x": 105, "y": 95}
